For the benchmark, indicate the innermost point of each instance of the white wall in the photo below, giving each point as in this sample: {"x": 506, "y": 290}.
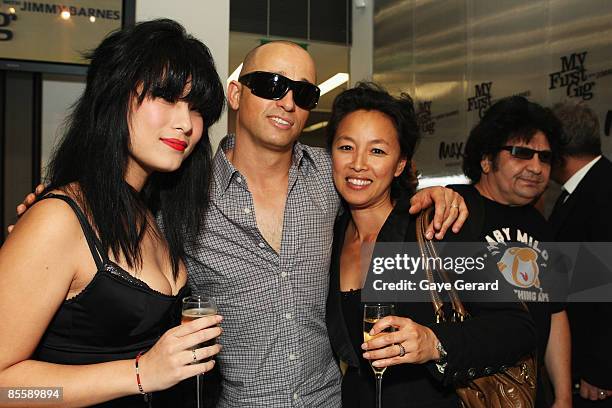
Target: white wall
{"x": 363, "y": 41}
{"x": 205, "y": 19}
{"x": 58, "y": 95}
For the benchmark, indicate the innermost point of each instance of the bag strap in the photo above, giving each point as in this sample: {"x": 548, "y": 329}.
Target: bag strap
{"x": 427, "y": 250}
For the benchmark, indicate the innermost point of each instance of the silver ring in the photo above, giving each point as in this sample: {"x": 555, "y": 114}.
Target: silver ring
{"x": 402, "y": 352}
{"x": 602, "y": 394}
{"x": 454, "y": 205}
{"x": 195, "y": 358}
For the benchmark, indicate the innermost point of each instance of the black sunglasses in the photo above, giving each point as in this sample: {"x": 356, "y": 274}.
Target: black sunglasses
{"x": 269, "y": 85}
{"x": 525, "y": 153}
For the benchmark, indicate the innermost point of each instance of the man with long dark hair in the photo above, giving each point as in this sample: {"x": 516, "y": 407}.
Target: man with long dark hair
{"x": 508, "y": 157}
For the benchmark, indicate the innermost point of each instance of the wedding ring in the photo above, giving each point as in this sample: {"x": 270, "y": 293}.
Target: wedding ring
{"x": 402, "y": 352}
{"x": 602, "y": 394}
{"x": 195, "y": 358}
{"x": 454, "y": 205}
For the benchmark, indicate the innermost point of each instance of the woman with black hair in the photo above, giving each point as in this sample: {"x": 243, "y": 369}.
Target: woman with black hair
{"x": 90, "y": 287}
{"x": 372, "y": 137}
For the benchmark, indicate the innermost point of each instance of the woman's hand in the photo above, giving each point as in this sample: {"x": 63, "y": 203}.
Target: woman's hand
{"x": 419, "y": 343}
{"x": 449, "y": 207}
{"x": 593, "y": 393}
{"x": 171, "y": 359}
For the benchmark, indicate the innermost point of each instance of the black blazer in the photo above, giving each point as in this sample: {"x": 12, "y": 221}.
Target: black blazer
{"x": 498, "y": 334}
{"x": 586, "y": 216}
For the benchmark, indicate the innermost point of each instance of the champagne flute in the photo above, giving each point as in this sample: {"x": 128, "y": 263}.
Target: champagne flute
{"x": 195, "y": 307}
{"x": 372, "y": 314}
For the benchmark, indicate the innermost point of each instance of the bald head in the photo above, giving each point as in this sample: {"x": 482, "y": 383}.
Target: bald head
{"x": 259, "y": 58}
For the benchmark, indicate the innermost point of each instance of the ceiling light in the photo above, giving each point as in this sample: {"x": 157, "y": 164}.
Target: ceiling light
{"x": 442, "y": 181}
{"x": 333, "y": 82}
{"x": 65, "y": 14}
{"x": 314, "y": 127}
{"x": 234, "y": 76}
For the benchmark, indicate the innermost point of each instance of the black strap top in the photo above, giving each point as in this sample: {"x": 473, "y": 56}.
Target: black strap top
{"x": 114, "y": 317}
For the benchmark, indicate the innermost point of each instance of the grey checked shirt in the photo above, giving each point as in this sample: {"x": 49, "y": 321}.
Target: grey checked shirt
{"x": 276, "y": 351}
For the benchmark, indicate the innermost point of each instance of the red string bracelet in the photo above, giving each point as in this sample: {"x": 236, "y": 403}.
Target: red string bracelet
{"x": 138, "y": 373}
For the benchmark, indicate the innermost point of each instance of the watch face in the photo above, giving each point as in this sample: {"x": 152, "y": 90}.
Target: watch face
{"x": 441, "y": 350}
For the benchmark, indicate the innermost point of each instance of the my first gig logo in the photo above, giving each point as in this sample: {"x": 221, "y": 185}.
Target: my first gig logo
{"x": 573, "y": 77}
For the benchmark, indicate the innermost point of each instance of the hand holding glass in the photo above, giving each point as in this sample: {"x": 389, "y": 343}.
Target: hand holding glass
{"x": 195, "y": 307}
{"x": 372, "y": 314}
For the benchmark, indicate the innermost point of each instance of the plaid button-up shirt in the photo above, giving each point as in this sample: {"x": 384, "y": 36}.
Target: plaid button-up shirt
{"x": 276, "y": 351}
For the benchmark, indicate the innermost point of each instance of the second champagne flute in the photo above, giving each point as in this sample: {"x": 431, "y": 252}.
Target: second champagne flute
{"x": 372, "y": 314}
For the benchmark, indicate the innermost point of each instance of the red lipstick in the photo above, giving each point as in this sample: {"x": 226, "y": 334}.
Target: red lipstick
{"x": 176, "y": 144}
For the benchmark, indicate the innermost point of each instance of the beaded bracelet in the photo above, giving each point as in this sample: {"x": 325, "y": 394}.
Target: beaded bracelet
{"x": 138, "y": 373}
{"x": 146, "y": 395}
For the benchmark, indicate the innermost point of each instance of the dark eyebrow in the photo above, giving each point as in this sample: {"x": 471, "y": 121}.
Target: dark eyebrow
{"x": 382, "y": 141}
{"x": 345, "y": 137}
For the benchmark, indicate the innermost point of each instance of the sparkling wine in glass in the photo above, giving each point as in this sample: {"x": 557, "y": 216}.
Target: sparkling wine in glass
{"x": 194, "y": 307}
{"x": 371, "y": 314}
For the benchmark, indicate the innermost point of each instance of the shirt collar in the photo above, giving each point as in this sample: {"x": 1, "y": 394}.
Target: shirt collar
{"x": 571, "y": 184}
{"x": 224, "y": 170}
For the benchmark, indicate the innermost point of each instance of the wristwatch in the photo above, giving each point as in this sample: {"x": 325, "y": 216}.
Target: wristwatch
{"x": 441, "y": 362}
{"x": 442, "y": 352}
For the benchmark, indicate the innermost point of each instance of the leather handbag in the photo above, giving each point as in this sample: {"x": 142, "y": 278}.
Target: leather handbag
{"x": 514, "y": 386}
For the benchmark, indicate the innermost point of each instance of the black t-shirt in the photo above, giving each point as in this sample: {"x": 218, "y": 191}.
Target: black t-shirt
{"x": 516, "y": 238}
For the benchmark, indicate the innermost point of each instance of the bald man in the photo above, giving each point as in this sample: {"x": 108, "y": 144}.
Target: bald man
{"x": 265, "y": 250}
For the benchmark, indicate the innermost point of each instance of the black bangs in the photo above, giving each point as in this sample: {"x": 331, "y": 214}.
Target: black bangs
{"x": 150, "y": 59}
{"x": 189, "y": 67}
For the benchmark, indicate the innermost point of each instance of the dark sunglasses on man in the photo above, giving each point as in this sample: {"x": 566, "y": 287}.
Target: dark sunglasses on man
{"x": 269, "y": 85}
{"x": 525, "y": 153}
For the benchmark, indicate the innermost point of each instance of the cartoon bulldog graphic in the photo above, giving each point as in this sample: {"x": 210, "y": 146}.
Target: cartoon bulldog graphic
{"x": 519, "y": 267}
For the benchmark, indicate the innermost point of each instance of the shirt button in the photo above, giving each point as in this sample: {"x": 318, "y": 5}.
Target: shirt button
{"x": 295, "y": 396}
{"x": 262, "y": 245}
{"x": 238, "y": 180}
{"x": 292, "y": 356}
{"x": 247, "y": 210}
{"x": 283, "y": 274}
{"x": 288, "y": 316}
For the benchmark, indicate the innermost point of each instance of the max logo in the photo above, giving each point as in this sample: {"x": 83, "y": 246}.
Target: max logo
{"x": 452, "y": 150}
{"x": 5, "y": 21}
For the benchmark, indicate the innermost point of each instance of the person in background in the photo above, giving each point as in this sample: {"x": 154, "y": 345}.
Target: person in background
{"x": 581, "y": 214}
{"x": 508, "y": 158}
{"x": 372, "y": 137}
{"x": 90, "y": 286}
